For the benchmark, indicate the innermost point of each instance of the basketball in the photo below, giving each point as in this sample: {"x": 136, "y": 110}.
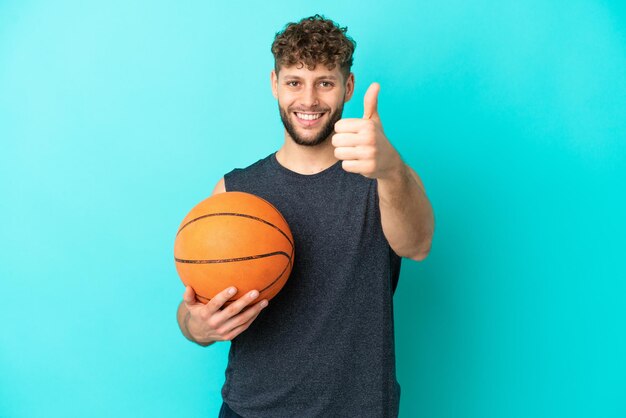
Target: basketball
{"x": 234, "y": 239}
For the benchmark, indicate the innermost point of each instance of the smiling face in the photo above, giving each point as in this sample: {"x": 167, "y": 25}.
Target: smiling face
{"x": 311, "y": 101}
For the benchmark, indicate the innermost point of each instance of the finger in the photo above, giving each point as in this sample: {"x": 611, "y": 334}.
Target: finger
{"x": 189, "y": 297}
{"x": 346, "y": 140}
{"x": 236, "y": 307}
{"x": 351, "y": 125}
{"x": 244, "y": 317}
{"x": 370, "y": 101}
{"x": 351, "y": 153}
{"x": 364, "y": 167}
{"x": 241, "y": 328}
{"x": 216, "y": 303}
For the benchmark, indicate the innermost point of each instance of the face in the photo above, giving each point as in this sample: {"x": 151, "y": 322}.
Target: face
{"x": 311, "y": 101}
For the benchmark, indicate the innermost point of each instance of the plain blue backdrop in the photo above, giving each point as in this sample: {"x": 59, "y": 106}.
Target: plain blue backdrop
{"x": 117, "y": 117}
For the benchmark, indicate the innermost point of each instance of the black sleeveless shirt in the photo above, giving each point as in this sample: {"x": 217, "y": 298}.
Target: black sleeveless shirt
{"x": 324, "y": 346}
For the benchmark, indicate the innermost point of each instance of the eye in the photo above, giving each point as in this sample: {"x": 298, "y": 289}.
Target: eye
{"x": 292, "y": 83}
{"x": 326, "y": 84}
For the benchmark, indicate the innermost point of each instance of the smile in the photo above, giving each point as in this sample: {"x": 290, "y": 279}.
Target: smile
{"x": 308, "y": 116}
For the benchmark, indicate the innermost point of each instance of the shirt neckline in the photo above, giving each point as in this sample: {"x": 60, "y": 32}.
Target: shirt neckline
{"x": 285, "y": 170}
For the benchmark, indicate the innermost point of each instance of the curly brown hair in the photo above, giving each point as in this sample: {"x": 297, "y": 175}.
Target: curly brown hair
{"x": 314, "y": 40}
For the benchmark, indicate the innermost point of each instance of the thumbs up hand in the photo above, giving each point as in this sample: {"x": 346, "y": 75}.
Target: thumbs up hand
{"x": 362, "y": 144}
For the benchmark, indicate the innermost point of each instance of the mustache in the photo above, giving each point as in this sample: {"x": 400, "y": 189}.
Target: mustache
{"x": 314, "y": 109}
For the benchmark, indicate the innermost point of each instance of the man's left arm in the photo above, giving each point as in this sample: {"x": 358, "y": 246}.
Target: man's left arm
{"x": 406, "y": 214}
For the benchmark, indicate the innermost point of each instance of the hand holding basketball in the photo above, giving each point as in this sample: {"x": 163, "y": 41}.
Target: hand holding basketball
{"x": 207, "y": 323}
{"x": 362, "y": 144}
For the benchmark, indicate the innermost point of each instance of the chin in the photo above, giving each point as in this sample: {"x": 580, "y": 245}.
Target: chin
{"x": 309, "y": 142}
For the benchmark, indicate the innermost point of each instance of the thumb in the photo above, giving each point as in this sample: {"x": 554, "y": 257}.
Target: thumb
{"x": 370, "y": 102}
{"x": 189, "y": 296}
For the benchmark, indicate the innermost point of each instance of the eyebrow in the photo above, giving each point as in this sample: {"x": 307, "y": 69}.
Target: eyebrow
{"x": 326, "y": 77}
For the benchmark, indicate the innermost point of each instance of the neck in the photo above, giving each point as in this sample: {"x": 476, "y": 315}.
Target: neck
{"x": 305, "y": 159}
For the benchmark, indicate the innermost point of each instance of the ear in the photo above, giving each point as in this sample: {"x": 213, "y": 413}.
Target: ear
{"x": 349, "y": 87}
{"x": 274, "y": 82}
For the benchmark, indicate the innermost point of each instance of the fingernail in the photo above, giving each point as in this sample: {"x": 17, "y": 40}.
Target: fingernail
{"x": 254, "y": 294}
{"x": 263, "y": 304}
{"x": 232, "y": 291}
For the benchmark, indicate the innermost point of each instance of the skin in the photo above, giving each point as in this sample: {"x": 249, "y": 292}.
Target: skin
{"x": 362, "y": 146}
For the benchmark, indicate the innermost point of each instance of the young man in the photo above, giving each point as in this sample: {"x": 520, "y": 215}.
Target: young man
{"x": 324, "y": 347}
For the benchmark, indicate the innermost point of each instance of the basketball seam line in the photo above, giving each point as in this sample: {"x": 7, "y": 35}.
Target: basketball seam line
{"x": 236, "y": 214}
{"x": 230, "y": 260}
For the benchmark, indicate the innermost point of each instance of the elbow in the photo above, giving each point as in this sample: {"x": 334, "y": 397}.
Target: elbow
{"x": 420, "y": 253}
{"x": 417, "y": 249}
{"x": 421, "y": 256}
{"x": 423, "y": 248}
{"x": 415, "y": 255}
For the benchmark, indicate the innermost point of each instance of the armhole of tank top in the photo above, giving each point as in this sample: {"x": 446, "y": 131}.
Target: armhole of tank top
{"x": 227, "y": 180}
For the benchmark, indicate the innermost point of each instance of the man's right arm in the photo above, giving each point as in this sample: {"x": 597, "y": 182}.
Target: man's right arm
{"x": 207, "y": 323}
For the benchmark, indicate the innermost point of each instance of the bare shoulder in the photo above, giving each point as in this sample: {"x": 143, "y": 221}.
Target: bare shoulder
{"x": 220, "y": 187}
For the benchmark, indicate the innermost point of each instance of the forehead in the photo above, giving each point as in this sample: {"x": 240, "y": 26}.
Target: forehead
{"x": 302, "y": 72}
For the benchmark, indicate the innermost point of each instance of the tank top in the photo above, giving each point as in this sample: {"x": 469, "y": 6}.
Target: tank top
{"x": 324, "y": 346}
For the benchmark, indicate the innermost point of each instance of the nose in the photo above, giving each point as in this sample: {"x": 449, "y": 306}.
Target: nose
{"x": 309, "y": 97}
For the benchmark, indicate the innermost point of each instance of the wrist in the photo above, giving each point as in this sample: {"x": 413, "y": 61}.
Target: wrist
{"x": 394, "y": 176}
{"x": 187, "y": 331}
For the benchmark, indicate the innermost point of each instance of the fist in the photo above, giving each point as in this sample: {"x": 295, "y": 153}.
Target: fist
{"x": 362, "y": 144}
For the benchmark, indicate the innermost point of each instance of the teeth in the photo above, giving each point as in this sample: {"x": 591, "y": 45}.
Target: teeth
{"x": 308, "y": 116}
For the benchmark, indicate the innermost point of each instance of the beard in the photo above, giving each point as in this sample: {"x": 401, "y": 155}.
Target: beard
{"x": 324, "y": 131}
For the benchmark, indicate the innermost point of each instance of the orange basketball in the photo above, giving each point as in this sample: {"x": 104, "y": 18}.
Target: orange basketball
{"x": 234, "y": 239}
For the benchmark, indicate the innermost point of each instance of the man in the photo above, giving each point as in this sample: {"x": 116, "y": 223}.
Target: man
{"x": 324, "y": 347}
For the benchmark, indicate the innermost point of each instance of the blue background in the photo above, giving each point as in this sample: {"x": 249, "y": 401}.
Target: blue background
{"x": 117, "y": 117}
